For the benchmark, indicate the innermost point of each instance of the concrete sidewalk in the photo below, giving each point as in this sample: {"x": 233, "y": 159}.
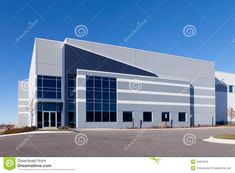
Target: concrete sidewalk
{"x": 36, "y": 132}
{"x": 219, "y": 141}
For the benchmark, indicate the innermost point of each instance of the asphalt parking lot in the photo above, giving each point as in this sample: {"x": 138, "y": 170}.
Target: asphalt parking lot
{"x": 119, "y": 143}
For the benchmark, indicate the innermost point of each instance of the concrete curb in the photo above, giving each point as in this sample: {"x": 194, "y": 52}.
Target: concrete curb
{"x": 219, "y": 141}
{"x": 149, "y": 129}
{"x": 35, "y": 132}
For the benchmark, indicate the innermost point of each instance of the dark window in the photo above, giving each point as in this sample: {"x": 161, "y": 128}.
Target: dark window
{"x": 113, "y": 107}
{"x": 58, "y": 83}
{"x": 49, "y": 83}
{"x": 97, "y": 116}
{"x": 49, "y": 106}
{"x": 105, "y": 107}
{"x": 49, "y": 95}
{"x": 105, "y": 116}
{"x": 71, "y": 107}
{"x": 89, "y": 116}
{"x": 39, "y": 120}
{"x": 40, "y": 106}
{"x": 97, "y": 106}
{"x": 165, "y": 116}
{"x": 39, "y": 83}
{"x": 127, "y": 116}
{"x": 112, "y": 96}
{"x": 39, "y": 117}
{"x": 49, "y": 87}
{"x": 105, "y": 83}
{"x": 58, "y": 119}
{"x": 231, "y": 88}
{"x": 71, "y": 94}
{"x": 90, "y": 82}
{"x": 97, "y": 82}
{"x": 90, "y": 106}
{"x": 58, "y": 95}
{"x": 71, "y": 119}
{"x": 89, "y": 95}
{"x": 46, "y": 106}
{"x": 182, "y": 116}
{"x": 113, "y": 116}
{"x": 105, "y": 95}
{"x": 101, "y": 101}
{"x": 39, "y": 94}
{"x": 98, "y": 95}
{"x": 71, "y": 101}
{"x": 71, "y": 82}
{"x": 147, "y": 116}
{"x": 112, "y": 83}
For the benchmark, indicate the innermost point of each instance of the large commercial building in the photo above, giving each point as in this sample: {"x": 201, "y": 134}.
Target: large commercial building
{"x": 85, "y": 84}
{"x": 225, "y": 97}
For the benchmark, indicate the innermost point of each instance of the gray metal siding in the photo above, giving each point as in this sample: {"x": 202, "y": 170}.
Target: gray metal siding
{"x": 152, "y": 98}
{"x": 151, "y": 87}
{"x": 137, "y": 109}
{"x": 204, "y": 92}
{"x": 198, "y": 73}
{"x": 221, "y": 102}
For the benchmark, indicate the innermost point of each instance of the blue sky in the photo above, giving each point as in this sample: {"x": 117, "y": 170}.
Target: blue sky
{"x": 156, "y": 25}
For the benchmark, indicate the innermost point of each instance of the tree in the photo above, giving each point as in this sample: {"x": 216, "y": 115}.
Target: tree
{"x": 231, "y": 113}
{"x": 30, "y": 109}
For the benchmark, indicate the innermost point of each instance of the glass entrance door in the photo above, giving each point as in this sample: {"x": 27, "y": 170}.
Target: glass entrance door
{"x": 49, "y": 119}
{"x": 46, "y": 119}
{"x": 53, "y": 119}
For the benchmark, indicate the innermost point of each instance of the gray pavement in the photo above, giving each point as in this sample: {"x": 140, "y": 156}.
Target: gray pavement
{"x": 119, "y": 143}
